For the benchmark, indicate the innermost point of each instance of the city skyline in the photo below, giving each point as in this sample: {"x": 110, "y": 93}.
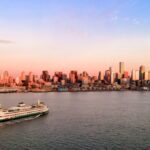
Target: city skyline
{"x": 121, "y": 71}
{"x": 77, "y": 81}
{"x": 117, "y": 69}
{"x": 79, "y": 35}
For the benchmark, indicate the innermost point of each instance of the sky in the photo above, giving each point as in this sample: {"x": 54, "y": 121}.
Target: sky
{"x": 63, "y": 35}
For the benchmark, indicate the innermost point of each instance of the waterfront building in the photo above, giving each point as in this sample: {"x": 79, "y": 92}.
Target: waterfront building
{"x": 63, "y": 82}
{"x": 55, "y": 79}
{"x": 85, "y": 80}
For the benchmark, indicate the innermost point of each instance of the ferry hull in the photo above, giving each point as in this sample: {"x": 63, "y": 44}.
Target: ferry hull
{"x": 24, "y": 116}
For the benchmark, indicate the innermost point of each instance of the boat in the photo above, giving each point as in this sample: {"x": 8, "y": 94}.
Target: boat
{"x": 22, "y": 111}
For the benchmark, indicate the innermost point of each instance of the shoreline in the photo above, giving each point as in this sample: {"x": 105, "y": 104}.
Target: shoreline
{"x": 7, "y": 92}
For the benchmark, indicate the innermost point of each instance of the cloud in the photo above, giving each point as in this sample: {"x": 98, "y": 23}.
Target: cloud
{"x": 114, "y": 15}
{"x": 114, "y": 18}
{"x": 5, "y": 41}
{"x": 136, "y": 21}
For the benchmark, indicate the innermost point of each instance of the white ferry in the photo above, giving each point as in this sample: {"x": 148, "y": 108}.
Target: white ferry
{"x": 22, "y": 111}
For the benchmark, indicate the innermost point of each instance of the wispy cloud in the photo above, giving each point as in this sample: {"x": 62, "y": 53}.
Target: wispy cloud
{"x": 5, "y": 41}
{"x": 114, "y": 18}
{"x": 114, "y": 12}
{"x": 136, "y": 21}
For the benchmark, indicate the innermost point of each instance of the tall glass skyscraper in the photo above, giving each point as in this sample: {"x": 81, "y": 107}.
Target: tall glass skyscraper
{"x": 121, "y": 68}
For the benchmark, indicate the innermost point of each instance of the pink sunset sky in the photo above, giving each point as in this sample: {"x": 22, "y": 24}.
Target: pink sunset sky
{"x": 64, "y": 36}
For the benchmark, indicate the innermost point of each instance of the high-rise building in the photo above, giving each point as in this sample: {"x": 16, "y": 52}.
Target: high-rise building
{"x": 59, "y": 75}
{"x": 73, "y": 76}
{"x": 5, "y": 77}
{"x": 85, "y": 74}
{"x": 111, "y": 75}
{"x": 135, "y": 75}
{"x": 36, "y": 78}
{"x": 126, "y": 74}
{"x": 110, "y": 68}
{"x": 112, "y": 78}
{"x": 85, "y": 80}
{"x": 31, "y": 77}
{"x": 45, "y": 76}
{"x": 107, "y": 76}
{"x": 5, "y": 74}
{"x": 22, "y": 76}
{"x": 115, "y": 75}
{"x": 142, "y": 70}
{"x": 146, "y": 76}
{"x": 100, "y": 76}
{"x": 121, "y": 68}
{"x": 64, "y": 77}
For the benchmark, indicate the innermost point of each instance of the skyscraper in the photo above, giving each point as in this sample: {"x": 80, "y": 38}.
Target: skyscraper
{"x": 100, "y": 76}
{"x": 111, "y": 75}
{"x": 142, "y": 70}
{"x": 22, "y": 76}
{"x": 135, "y": 75}
{"x": 145, "y": 76}
{"x": 121, "y": 68}
{"x": 45, "y": 76}
{"x": 73, "y": 76}
{"x": 107, "y": 76}
{"x": 5, "y": 77}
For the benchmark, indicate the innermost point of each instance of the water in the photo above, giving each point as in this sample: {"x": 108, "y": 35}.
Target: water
{"x": 81, "y": 121}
